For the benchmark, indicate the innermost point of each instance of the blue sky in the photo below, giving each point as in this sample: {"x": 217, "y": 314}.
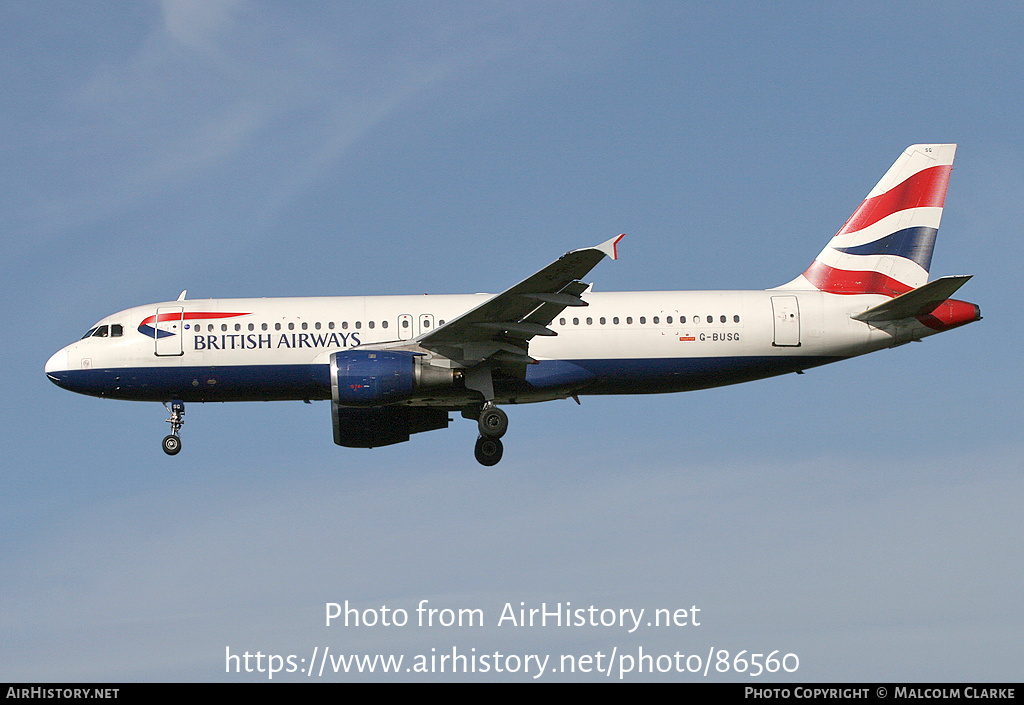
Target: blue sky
{"x": 864, "y": 516}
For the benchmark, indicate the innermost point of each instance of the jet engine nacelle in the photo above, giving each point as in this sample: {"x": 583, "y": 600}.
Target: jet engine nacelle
{"x": 367, "y": 391}
{"x": 367, "y": 378}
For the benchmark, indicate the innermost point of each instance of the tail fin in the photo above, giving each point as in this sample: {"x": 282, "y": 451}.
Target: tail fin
{"x": 886, "y": 245}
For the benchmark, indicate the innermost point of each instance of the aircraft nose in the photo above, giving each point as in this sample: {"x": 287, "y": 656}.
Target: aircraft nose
{"x": 58, "y": 362}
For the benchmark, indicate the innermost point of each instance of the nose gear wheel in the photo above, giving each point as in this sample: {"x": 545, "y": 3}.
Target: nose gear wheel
{"x": 172, "y": 443}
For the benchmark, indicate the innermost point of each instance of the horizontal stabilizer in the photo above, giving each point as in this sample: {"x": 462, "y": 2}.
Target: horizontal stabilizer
{"x": 916, "y": 302}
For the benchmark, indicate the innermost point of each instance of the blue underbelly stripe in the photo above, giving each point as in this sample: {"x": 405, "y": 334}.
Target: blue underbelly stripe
{"x": 297, "y": 382}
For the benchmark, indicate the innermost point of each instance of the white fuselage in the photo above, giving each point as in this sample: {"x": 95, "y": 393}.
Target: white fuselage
{"x": 626, "y": 342}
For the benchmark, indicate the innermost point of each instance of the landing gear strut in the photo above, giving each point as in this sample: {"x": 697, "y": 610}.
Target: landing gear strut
{"x": 172, "y": 443}
{"x": 493, "y": 422}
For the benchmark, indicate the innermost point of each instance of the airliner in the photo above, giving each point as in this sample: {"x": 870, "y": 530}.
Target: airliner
{"x": 394, "y": 366}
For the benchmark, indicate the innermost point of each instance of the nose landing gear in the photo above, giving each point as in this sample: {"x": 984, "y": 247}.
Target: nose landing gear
{"x": 172, "y": 443}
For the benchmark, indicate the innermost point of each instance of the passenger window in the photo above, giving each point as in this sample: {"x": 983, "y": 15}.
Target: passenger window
{"x": 277, "y": 326}
{"x": 711, "y": 319}
{"x": 615, "y": 320}
{"x": 561, "y": 321}
{"x": 291, "y": 326}
{"x": 575, "y": 321}
{"x": 384, "y": 324}
{"x": 736, "y": 319}
{"x": 668, "y": 319}
{"x": 317, "y": 325}
{"x": 305, "y": 326}
{"x": 602, "y": 320}
{"x": 629, "y": 320}
{"x": 238, "y": 326}
{"x": 723, "y": 319}
{"x": 643, "y": 319}
{"x": 330, "y": 326}
{"x": 590, "y": 321}
{"x": 682, "y": 319}
{"x": 405, "y": 323}
{"x": 655, "y": 320}
{"x": 223, "y": 326}
{"x": 263, "y": 327}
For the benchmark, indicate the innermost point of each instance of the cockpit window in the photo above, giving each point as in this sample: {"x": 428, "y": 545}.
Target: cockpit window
{"x": 114, "y": 330}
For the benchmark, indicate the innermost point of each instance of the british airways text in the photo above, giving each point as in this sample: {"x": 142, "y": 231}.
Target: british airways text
{"x": 255, "y": 341}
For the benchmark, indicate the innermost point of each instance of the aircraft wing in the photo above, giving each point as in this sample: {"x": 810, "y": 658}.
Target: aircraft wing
{"x": 499, "y": 330}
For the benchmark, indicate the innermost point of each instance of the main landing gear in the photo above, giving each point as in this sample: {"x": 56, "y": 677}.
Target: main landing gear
{"x": 172, "y": 443}
{"x": 492, "y": 422}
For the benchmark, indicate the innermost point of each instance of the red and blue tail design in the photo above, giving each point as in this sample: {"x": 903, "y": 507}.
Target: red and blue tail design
{"x": 886, "y": 245}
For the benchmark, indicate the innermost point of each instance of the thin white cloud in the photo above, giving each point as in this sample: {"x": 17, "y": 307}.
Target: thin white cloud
{"x": 215, "y": 95}
{"x": 198, "y": 23}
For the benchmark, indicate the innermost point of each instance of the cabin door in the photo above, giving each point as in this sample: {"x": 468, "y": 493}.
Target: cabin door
{"x": 426, "y": 323}
{"x": 786, "y": 314}
{"x": 169, "y": 330}
{"x": 404, "y": 327}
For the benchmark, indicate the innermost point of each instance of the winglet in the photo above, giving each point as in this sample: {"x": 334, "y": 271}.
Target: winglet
{"x": 610, "y": 247}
